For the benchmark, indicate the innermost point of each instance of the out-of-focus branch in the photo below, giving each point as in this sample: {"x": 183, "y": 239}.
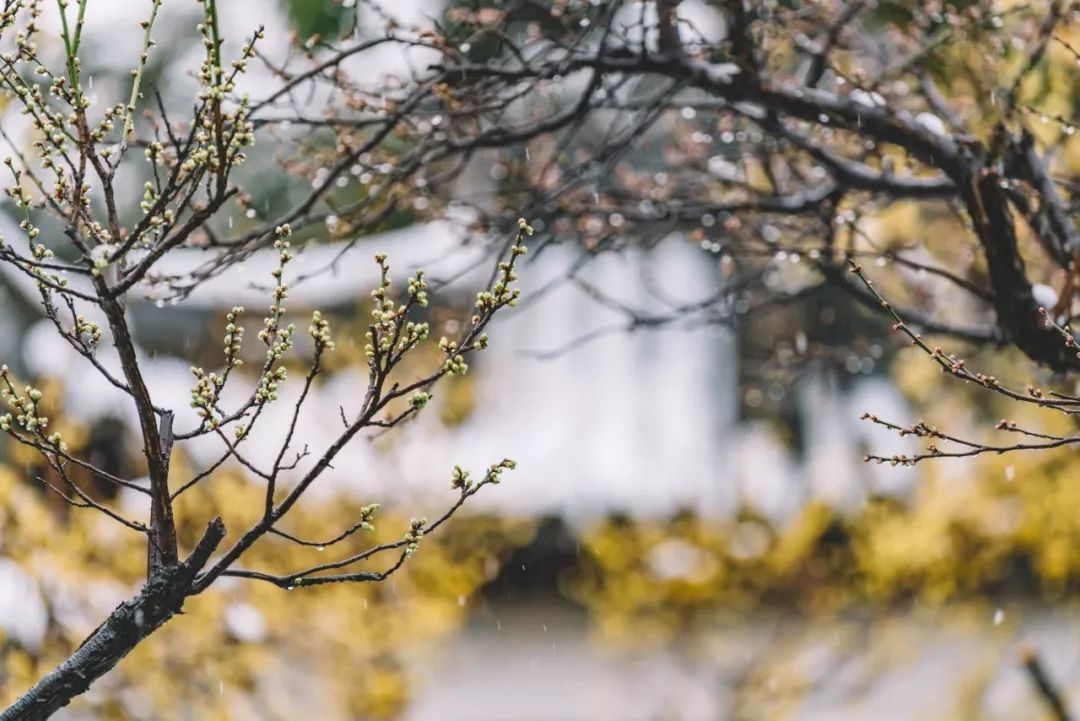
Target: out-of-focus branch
{"x": 1044, "y": 686}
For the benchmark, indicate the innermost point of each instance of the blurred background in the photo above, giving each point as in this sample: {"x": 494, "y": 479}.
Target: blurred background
{"x": 691, "y": 534}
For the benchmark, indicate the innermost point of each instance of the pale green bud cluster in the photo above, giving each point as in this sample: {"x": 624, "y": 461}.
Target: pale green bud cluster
{"x": 391, "y": 334}
{"x": 41, "y": 254}
{"x": 277, "y": 338}
{"x": 217, "y": 86}
{"x": 455, "y": 362}
{"x": 154, "y": 151}
{"x": 268, "y": 385}
{"x": 149, "y": 197}
{"x": 88, "y": 328}
{"x": 461, "y": 480}
{"x": 102, "y": 259}
{"x": 19, "y": 195}
{"x": 412, "y": 334}
{"x": 26, "y": 413}
{"x": 385, "y": 314}
{"x": 494, "y": 470}
{"x": 205, "y": 394}
{"x": 414, "y": 536}
{"x": 456, "y": 365}
{"x": 107, "y": 124}
{"x": 418, "y": 289}
{"x": 367, "y": 515}
{"x": 234, "y": 338}
{"x": 320, "y": 332}
{"x": 500, "y": 295}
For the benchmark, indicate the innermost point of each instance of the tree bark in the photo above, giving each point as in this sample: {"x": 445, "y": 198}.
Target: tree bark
{"x": 161, "y": 552}
{"x": 1018, "y": 314}
{"x": 132, "y": 621}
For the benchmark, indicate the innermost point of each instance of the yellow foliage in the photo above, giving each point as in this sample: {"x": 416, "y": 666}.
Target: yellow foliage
{"x": 333, "y": 652}
{"x": 970, "y": 527}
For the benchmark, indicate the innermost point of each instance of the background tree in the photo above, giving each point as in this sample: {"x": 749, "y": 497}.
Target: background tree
{"x": 782, "y": 136}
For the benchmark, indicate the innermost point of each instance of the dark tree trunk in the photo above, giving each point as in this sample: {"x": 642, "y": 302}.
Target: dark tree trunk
{"x": 132, "y": 621}
{"x": 1017, "y": 311}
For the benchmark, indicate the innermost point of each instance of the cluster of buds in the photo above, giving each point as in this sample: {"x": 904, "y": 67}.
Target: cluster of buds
{"x": 149, "y": 198}
{"x": 108, "y": 122}
{"x": 26, "y": 406}
{"x": 268, "y": 384}
{"x": 919, "y": 428}
{"x": 391, "y": 332}
{"x": 320, "y": 332}
{"x": 96, "y": 230}
{"x": 210, "y": 72}
{"x": 205, "y": 394}
{"x": 411, "y": 335}
{"x": 414, "y": 536}
{"x": 24, "y": 37}
{"x": 501, "y": 294}
{"x": 419, "y": 399}
{"x": 524, "y": 230}
{"x": 159, "y": 221}
{"x": 155, "y": 151}
{"x": 208, "y": 386}
{"x": 494, "y": 471}
{"x": 42, "y": 254}
{"x": 279, "y": 340}
{"x": 101, "y": 258}
{"x": 26, "y": 412}
{"x": 454, "y": 364}
{"x": 89, "y": 329}
{"x": 207, "y": 155}
{"x": 273, "y": 335}
{"x": 212, "y": 137}
{"x": 385, "y": 314}
{"x": 418, "y": 289}
{"x": 899, "y": 459}
{"x": 459, "y": 479}
{"x": 234, "y": 338}
{"x": 270, "y": 379}
{"x": 367, "y": 516}
{"x": 62, "y": 188}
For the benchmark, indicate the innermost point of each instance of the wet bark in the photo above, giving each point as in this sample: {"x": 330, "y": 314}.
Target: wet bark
{"x": 131, "y": 622}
